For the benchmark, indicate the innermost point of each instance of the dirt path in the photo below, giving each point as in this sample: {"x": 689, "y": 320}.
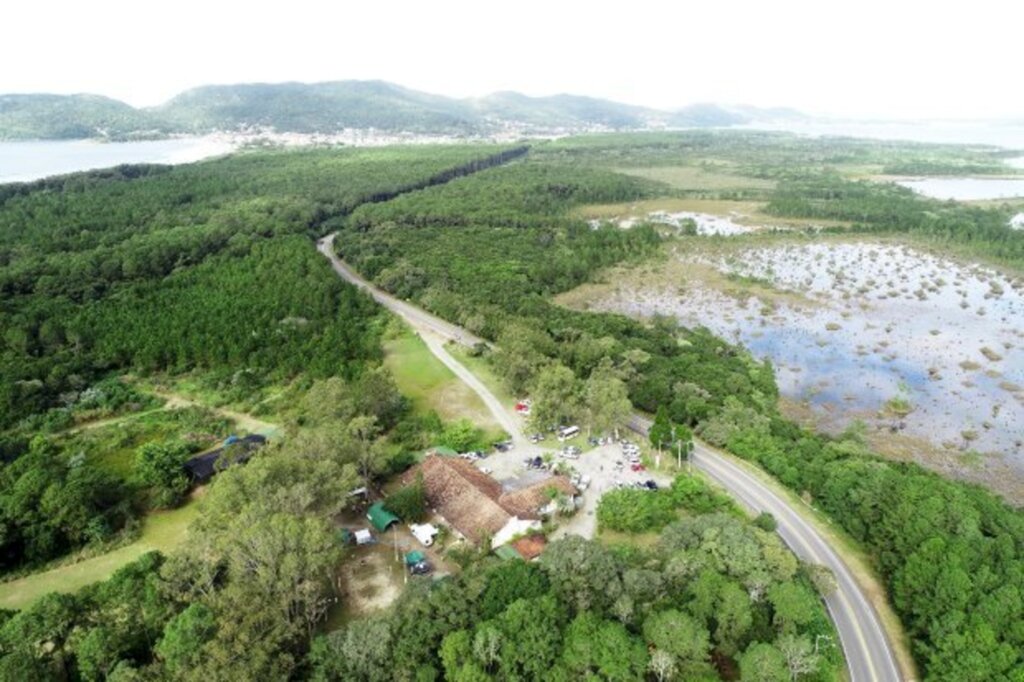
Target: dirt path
{"x": 241, "y": 419}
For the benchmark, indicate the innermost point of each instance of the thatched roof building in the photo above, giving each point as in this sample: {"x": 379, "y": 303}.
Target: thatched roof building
{"x": 475, "y": 504}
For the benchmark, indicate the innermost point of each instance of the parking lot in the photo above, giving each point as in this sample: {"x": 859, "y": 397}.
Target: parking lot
{"x": 602, "y": 468}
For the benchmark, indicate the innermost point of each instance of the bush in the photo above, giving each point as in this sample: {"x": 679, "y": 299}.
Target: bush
{"x": 695, "y": 495}
{"x": 409, "y": 503}
{"x": 765, "y": 521}
{"x": 631, "y": 510}
{"x": 462, "y": 436}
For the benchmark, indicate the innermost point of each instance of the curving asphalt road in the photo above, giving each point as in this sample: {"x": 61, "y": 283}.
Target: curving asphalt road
{"x": 869, "y": 656}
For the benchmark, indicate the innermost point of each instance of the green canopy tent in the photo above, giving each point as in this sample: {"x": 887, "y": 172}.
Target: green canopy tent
{"x": 380, "y": 517}
{"x": 414, "y": 557}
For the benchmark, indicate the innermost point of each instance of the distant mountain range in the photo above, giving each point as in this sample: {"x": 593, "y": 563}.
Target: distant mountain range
{"x": 325, "y": 108}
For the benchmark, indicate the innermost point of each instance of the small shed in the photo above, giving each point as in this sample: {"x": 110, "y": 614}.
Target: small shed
{"x": 414, "y": 557}
{"x": 364, "y": 537}
{"x": 380, "y": 517}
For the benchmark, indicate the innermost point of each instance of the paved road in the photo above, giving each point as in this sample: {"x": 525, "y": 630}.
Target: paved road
{"x": 868, "y": 653}
{"x": 417, "y": 317}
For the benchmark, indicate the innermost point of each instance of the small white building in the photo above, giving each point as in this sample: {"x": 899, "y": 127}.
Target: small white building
{"x": 364, "y": 537}
{"x": 515, "y": 526}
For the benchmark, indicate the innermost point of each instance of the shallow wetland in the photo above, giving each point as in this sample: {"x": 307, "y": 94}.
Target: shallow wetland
{"x": 854, "y": 327}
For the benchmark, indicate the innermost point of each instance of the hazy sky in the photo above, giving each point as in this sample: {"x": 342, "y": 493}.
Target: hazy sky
{"x": 894, "y": 58}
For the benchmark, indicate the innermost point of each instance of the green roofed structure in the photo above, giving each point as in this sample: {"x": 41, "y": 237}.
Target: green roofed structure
{"x": 507, "y": 553}
{"x": 414, "y": 557}
{"x": 380, "y": 517}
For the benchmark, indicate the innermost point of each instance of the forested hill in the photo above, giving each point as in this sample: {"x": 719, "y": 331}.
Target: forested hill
{"x": 325, "y": 108}
{"x": 71, "y": 117}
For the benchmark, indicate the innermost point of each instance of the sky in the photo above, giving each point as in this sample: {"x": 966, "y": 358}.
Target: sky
{"x": 864, "y": 59}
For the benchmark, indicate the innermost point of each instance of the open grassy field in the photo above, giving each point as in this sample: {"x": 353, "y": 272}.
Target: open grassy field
{"x": 430, "y": 385}
{"x": 694, "y": 178}
{"x": 480, "y": 367}
{"x": 113, "y": 444}
{"x": 163, "y": 531}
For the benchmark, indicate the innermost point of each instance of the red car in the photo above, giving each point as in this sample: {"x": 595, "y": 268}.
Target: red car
{"x": 638, "y": 467}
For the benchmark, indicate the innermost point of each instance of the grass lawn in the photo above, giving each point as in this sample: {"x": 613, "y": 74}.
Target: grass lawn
{"x": 483, "y": 371}
{"x": 430, "y": 385}
{"x": 694, "y": 178}
{"x": 162, "y": 531}
{"x": 112, "y": 445}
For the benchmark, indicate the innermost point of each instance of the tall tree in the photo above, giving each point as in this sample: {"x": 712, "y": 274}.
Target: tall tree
{"x": 682, "y": 636}
{"x": 161, "y": 465}
{"x": 763, "y": 663}
{"x": 555, "y": 397}
{"x": 606, "y": 398}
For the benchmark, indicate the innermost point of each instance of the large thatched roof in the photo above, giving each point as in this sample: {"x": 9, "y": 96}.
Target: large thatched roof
{"x": 473, "y": 502}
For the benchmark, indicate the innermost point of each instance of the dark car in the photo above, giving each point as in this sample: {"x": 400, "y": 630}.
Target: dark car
{"x": 650, "y": 485}
{"x": 421, "y": 568}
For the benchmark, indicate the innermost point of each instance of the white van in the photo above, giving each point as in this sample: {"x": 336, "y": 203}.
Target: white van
{"x": 567, "y": 432}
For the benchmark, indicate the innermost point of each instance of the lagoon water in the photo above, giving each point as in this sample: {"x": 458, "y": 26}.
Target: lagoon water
{"x": 967, "y": 189}
{"x": 25, "y": 161}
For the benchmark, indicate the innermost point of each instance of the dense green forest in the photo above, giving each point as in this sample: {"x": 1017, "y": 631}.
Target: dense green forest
{"x": 890, "y": 209}
{"x": 207, "y": 267}
{"x": 952, "y": 554}
{"x": 211, "y": 267}
{"x": 73, "y": 249}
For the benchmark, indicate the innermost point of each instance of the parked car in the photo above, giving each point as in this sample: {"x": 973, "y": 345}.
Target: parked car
{"x": 637, "y": 467}
{"x": 503, "y": 446}
{"x": 421, "y": 568}
{"x": 650, "y": 484}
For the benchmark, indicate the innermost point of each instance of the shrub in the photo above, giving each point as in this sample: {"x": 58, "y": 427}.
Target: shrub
{"x": 409, "y": 503}
{"x": 634, "y": 511}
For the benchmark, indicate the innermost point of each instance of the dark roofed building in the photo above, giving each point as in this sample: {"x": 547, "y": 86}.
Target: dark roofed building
{"x": 201, "y": 468}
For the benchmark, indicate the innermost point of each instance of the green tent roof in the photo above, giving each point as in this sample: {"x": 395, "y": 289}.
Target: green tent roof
{"x": 414, "y": 557}
{"x": 506, "y": 552}
{"x": 380, "y": 517}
